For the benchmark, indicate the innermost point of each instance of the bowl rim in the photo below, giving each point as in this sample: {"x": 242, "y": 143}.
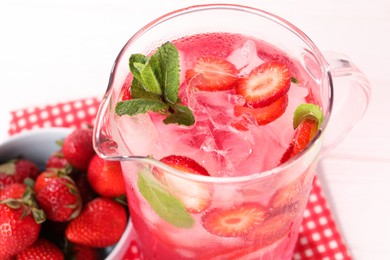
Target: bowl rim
{"x": 28, "y": 133}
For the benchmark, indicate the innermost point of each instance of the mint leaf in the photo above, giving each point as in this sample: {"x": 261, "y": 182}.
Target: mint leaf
{"x": 182, "y": 115}
{"x": 166, "y": 206}
{"x": 138, "y": 91}
{"x": 167, "y": 58}
{"x": 134, "y": 59}
{"x": 147, "y": 77}
{"x": 143, "y": 72}
{"x": 139, "y": 106}
{"x": 307, "y": 111}
{"x": 156, "y": 66}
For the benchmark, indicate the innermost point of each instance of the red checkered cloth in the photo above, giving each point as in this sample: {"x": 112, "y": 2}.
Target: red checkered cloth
{"x": 319, "y": 237}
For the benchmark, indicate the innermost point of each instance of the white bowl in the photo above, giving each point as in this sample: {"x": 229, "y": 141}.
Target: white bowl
{"x": 37, "y": 145}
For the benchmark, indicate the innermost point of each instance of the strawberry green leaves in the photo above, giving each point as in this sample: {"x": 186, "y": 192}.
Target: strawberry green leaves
{"x": 155, "y": 87}
{"x": 166, "y": 206}
{"x": 8, "y": 168}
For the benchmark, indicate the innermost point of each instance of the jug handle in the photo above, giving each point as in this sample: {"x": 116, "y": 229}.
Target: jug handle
{"x": 352, "y": 93}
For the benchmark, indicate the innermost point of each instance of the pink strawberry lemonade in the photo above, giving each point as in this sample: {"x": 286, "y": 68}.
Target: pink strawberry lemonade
{"x": 243, "y": 219}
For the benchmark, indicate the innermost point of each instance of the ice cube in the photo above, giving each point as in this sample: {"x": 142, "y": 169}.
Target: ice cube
{"x": 190, "y": 92}
{"x": 217, "y": 107}
{"x": 236, "y": 146}
{"x": 141, "y": 134}
{"x": 245, "y": 58}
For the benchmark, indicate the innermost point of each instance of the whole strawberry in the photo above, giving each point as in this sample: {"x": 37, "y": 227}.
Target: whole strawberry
{"x": 100, "y": 224}
{"x": 105, "y": 177}
{"x": 20, "y": 219}
{"x": 14, "y": 190}
{"x": 58, "y": 196}
{"x": 78, "y": 149}
{"x": 57, "y": 161}
{"x": 41, "y": 249}
{"x": 15, "y": 171}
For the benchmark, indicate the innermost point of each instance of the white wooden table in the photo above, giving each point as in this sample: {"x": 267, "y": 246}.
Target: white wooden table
{"x": 54, "y": 51}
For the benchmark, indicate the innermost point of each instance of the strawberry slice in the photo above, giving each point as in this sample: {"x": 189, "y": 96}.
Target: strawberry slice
{"x": 185, "y": 164}
{"x": 306, "y": 122}
{"x": 263, "y": 115}
{"x": 302, "y": 137}
{"x": 195, "y": 196}
{"x": 272, "y": 228}
{"x": 234, "y": 222}
{"x": 265, "y": 84}
{"x": 126, "y": 95}
{"x": 219, "y": 74}
{"x": 291, "y": 196}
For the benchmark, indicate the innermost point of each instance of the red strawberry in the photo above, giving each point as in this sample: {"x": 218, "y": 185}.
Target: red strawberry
{"x": 15, "y": 171}
{"x": 78, "y": 148}
{"x": 14, "y": 190}
{"x": 219, "y": 74}
{"x": 100, "y": 224}
{"x": 196, "y": 196}
{"x": 45, "y": 178}
{"x": 126, "y": 94}
{"x": 234, "y": 222}
{"x": 105, "y": 177}
{"x": 57, "y": 161}
{"x": 20, "y": 220}
{"x": 185, "y": 164}
{"x": 265, "y": 84}
{"x": 41, "y": 249}
{"x": 58, "y": 196}
{"x": 126, "y": 87}
{"x": 263, "y": 115}
{"x": 302, "y": 137}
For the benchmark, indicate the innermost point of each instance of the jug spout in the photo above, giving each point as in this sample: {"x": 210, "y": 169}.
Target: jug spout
{"x": 103, "y": 142}
{"x": 106, "y": 134}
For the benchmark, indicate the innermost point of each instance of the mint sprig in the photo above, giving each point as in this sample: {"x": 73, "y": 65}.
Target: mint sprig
{"x": 166, "y": 206}
{"x": 155, "y": 87}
